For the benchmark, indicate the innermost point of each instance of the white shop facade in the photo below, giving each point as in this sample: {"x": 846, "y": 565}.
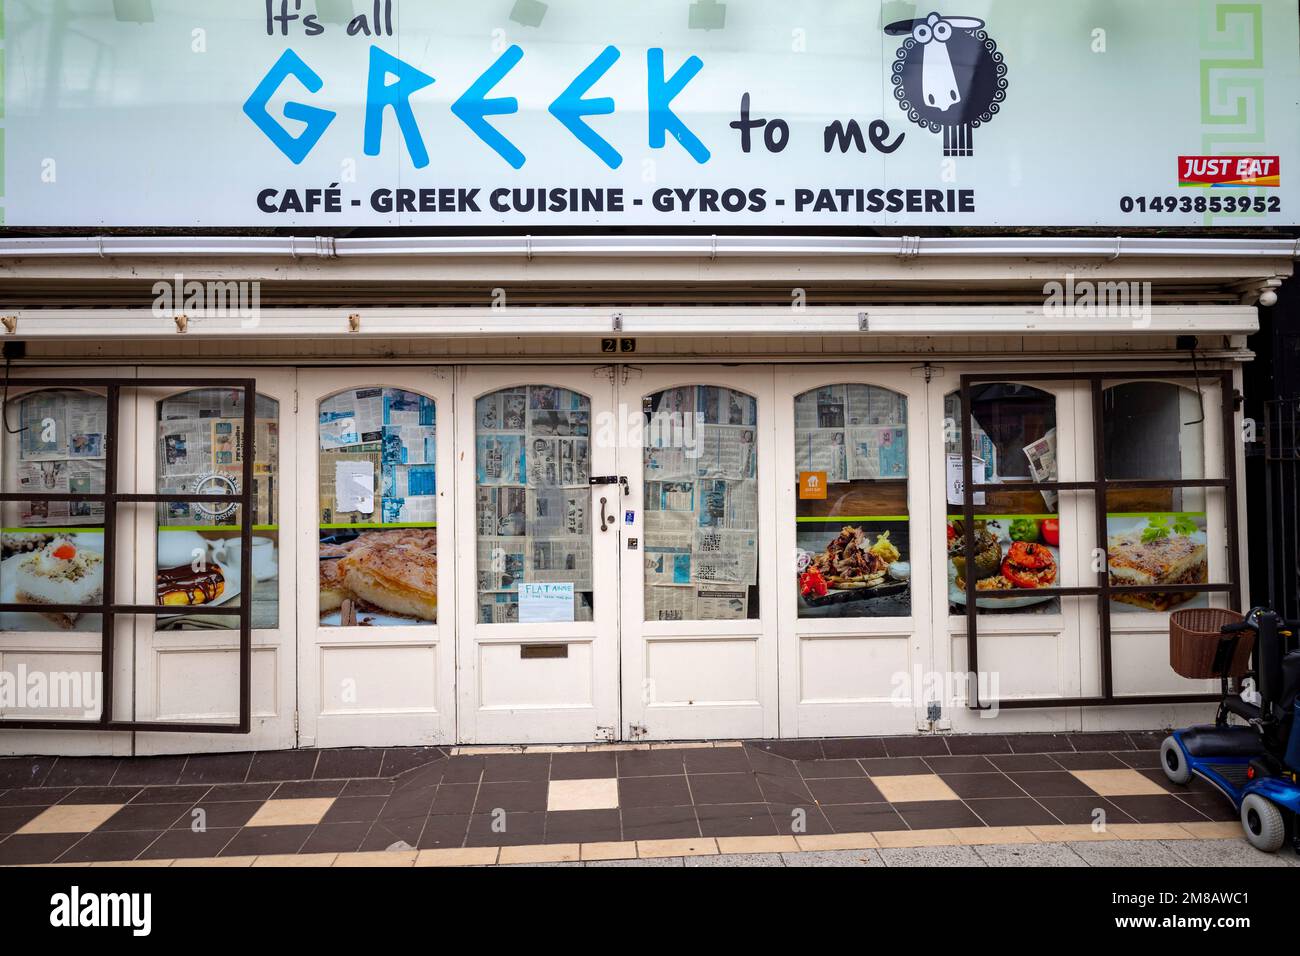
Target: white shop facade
{"x": 701, "y": 441}
{"x": 551, "y": 543}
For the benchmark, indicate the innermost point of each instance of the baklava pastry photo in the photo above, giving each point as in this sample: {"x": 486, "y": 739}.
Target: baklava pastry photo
{"x": 400, "y": 579}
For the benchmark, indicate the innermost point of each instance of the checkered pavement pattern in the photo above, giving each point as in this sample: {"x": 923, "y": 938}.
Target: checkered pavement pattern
{"x": 469, "y": 801}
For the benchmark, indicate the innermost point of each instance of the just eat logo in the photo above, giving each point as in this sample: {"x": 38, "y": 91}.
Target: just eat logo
{"x": 1229, "y": 171}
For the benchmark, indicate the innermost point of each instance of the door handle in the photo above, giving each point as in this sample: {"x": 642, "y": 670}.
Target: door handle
{"x": 604, "y": 515}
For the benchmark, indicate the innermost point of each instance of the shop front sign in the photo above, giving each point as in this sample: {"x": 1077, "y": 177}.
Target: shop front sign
{"x": 279, "y": 113}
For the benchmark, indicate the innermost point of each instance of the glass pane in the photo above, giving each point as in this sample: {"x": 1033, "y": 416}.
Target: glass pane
{"x": 851, "y": 512}
{"x": 200, "y": 451}
{"x": 53, "y": 552}
{"x": 533, "y": 499}
{"x": 1017, "y": 533}
{"x": 378, "y": 509}
{"x": 1155, "y": 536}
{"x": 701, "y": 505}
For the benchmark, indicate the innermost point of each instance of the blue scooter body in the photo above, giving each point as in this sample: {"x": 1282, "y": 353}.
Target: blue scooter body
{"x": 1227, "y": 772}
{"x": 1284, "y": 793}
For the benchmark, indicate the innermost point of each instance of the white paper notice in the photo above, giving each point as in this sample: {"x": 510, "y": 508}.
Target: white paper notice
{"x": 354, "y": 486}
{"x": 545, "y": 603}
{"x": 956, "y": 487}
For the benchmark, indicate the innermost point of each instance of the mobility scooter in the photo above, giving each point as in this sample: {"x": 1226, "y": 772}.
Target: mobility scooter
{"x": 1255, "y": 764}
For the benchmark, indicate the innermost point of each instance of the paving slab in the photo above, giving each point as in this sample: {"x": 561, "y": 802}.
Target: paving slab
{"x": 1222, "y": 853}
{"x": 1127, "y": 853}
{"x": 737, "y": 859}
{"x": 511, "y": 866}
{"x": 833, "y": 858}
{"x": 931, "y": 856}
{"x": 1029, "y": 854}
{"x": 653, "y": 861}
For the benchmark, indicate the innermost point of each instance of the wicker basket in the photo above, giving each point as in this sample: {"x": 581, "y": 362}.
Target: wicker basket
{"x": 1194, "y": 638}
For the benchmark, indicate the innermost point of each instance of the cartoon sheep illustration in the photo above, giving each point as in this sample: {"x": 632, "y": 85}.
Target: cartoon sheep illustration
{"x": 949, "y": 77}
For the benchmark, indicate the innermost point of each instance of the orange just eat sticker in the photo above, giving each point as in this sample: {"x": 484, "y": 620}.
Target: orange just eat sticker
{"x": 812, "y": 486}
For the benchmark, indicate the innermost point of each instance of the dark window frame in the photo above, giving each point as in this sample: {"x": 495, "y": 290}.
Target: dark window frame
{"x": 1103, "y": 590}
{"x": 109, "y": 609}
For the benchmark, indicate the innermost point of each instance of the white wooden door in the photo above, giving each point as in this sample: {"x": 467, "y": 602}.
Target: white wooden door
{"x": 852, "y": 475}
{"x": 536, "y": 563}
{"x": 32, "y": 645}
{"x": 375, "y": 535}
{"x": 699, "y": 583}
{"x": 187, "y": 665}
{"x": 1029, "y": 647}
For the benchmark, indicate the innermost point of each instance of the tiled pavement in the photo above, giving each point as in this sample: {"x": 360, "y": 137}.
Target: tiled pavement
{"x": 552, "y": 804}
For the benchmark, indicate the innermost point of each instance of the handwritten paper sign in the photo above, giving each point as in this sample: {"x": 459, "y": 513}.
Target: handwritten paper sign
{"x": 545, "y": 603}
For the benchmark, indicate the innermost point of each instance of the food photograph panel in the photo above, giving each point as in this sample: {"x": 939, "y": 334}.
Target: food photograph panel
{"x": 1012, "y": 553}
{"x": 1157, "y": 549}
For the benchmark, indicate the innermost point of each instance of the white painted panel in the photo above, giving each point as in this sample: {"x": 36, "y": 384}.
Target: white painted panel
{"x": 1141, "y": 666}
{"x": 858, "y": 670}
{"x": 702, "y": 671}
{"x": 202, "y": 683}
{"x": 378, "y": 679}
{"x": 508, "y": 681}
{"x": 1020, "y": 664}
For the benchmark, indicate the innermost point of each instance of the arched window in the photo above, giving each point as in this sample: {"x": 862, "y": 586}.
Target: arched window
{"x": 1017, "y": 533}
{"x": 53, "y": 551}
{"x": 200, "y": 444}
{"x": 1157, "y": 536}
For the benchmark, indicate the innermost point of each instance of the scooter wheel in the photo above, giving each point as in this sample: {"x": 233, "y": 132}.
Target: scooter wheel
{"x": 1263, "y": 822}
{"x": 1174, "y": 762}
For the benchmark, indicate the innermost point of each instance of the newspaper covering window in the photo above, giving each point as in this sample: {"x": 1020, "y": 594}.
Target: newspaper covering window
{"x": 851, "y": 432}
{"x": 52, "y": 552}
{"x": 533, "y": 498}
{"x": 378, "y": 490}
{"x": 1042, "y": 464}
{"x": 201, "y": 452}
{"x": 701, "y": 505}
